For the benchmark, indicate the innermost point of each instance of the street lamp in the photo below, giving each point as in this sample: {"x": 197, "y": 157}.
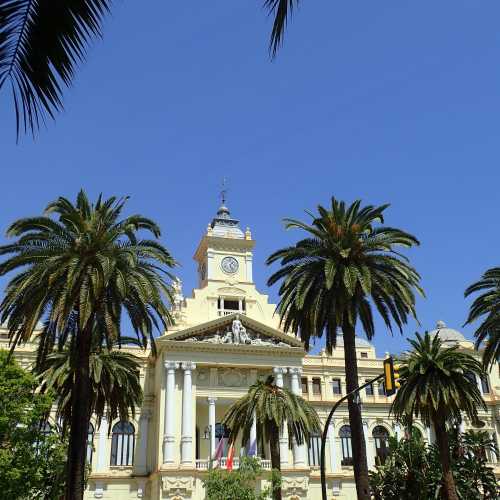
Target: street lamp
{"x": 207, "y": 434}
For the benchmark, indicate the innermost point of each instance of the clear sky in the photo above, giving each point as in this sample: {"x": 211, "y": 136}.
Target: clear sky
{"x": 384, "y": 101}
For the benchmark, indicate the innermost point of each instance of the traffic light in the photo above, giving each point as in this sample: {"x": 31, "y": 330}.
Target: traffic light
{"x": 391, "y": 376}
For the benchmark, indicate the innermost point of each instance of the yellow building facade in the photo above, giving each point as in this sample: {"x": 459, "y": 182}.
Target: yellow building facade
{"x": 226, "y": 336}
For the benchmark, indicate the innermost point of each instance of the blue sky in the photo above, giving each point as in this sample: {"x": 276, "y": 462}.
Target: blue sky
{"x": 384, "y": 101}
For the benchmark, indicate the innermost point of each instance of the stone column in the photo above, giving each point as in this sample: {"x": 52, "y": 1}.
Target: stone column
{"x": 169, "y": 423}
{"x": 431, "y": 434}
{"x": 299, "y": 451}
{"x": 187, "y": 414}
{"x": 142, "y": 456}
{"x": 397, "y": 431}
{"x": 253, "y": 436}
{"x": 101, "y": 450}
{"x": 101, "y": 456}
{"x": 279, "y": 372}
{"x": 334, "y": 456}
{"x": 211, "y": 424}
{"x": 369, "y": 447}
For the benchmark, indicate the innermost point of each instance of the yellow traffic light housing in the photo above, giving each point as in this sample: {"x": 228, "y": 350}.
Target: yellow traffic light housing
{"x": 391, "y": 376}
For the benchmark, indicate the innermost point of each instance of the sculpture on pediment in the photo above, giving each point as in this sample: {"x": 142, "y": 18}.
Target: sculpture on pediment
{"x": 237, "y": 335}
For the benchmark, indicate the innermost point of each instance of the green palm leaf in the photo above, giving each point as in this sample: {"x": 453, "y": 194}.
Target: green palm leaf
{"x": 41, "y": 44}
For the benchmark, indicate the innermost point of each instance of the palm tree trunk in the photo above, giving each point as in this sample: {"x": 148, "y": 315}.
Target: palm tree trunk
{"x": 358, "y": 439}
{"x": 450, "y": 491}
{"x": 274, "y": 446}
{"x": 75, "y": 481}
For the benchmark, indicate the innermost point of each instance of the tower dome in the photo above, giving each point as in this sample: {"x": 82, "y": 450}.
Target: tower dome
{"x": 447, "y": 335}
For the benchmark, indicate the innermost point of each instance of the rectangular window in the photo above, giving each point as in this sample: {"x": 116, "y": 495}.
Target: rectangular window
{"x": 364, "y": 354}
{"x": 316, "y": 382}
{"x": 336, "y": 387}
{"x": 369, "y": 389}
{"x": 381, "y": 388}
{"x": 314, "y": 447}
{"x": 305, "y": 390}
{"x": 231, "y": 305}
{"x": 485, "y": 385}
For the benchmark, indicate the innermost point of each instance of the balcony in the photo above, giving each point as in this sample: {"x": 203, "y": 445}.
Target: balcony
{"x": 203, "y": 464}
{"x": 227, "y": 312}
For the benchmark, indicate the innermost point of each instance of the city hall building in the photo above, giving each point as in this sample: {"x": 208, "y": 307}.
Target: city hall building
{"x": 226, "y": 336}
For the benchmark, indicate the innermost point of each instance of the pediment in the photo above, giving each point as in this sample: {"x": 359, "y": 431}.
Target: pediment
{"x": 236, "y": 330}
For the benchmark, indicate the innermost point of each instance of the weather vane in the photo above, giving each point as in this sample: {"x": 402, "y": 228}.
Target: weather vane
{"x": 223, "y": 191}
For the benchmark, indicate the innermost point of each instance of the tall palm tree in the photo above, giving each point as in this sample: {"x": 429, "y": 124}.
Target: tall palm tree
{"x": 116, "y": 390}
{"x": 81, "y": 272}
{"x": 41, "y": 44}
{"x": 272, "y": 408}
{"x": 436, "y": 386}
{"x": 333, "y": 278}
{"x": 487, "y": 306}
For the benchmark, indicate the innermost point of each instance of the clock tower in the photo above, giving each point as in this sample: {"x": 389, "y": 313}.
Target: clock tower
{"x": 225, "y": 252}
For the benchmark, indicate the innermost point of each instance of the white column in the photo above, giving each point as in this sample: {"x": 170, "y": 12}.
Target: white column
{"x": 101, "y": 456}
{"x": 334, "y": 456}
{"x": 369, "y": 450}
{"x": 169, "y": 423}
{"x": 101, "y": 450}
{"x": 142, "y": 456}
{"x": 299, "y": 451}
{"x": 431, "y": 434}
{"x": 187, "y": 414}
{"x": 211, "y": 424}
{"x": 253, "y": 436}
{"x": 279, "y": 372}
{"x": 397, "y": 431}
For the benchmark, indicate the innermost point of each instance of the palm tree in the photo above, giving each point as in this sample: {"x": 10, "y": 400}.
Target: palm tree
{"x": 487, "y": 305}
{"x": 41, "y": 44}
{"x": 436, "y": 385}
{"x": 282, "y": 10}
{"x": 116, "y": 390}
{"x": 333, "y": 278}
{"x": 80, "y": 273}
{"x": 272, "y": 408}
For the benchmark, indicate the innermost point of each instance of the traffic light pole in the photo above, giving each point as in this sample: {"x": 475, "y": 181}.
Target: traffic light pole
{"x": 327, "y": 425}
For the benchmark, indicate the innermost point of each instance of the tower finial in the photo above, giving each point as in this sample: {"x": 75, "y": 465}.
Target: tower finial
{"x": 223, "y": 191}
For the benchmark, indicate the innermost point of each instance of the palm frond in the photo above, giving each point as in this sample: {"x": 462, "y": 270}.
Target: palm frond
{"x": 41, "y": 44}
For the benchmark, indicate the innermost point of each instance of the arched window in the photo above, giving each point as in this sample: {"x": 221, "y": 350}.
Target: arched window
{"x": 345, "y": 440}
{"x": 381, "y": 436}
{"x": 314, "y": 448}
{"x": 90, "y": 442}
{"x": 122, "y": 444}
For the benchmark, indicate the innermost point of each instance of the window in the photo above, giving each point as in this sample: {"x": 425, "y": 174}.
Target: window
{"x": 345, "y": 440}
{"x": 228, "y": 306}
{"x": 381, "y": 437}
{"x": 471, "y": 377}
{"x": 381, "y": 388}
{"x": 316, "y": 383}
{"x": 122, "y": 444}
{"x": 303, "y": 381}
{"x": 314, "y": 449}
{"x": 90, "y": 443}
{"x": 336, "y": 387}
{"x": 485, "y": 385}
{"x": 369, "y": 388}
{"x": 45, "y": 430}
{"x": 222, "y": 432}
{"x": 364, "y": 354}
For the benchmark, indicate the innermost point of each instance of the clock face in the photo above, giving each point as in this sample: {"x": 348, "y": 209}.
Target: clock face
{"x": 229, "y": 265}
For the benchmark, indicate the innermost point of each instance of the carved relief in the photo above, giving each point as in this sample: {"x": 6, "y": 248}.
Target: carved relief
{"x": 203, "y": 377}
{"x": 177, "y": 487}
{"x": 231, "y": 377}
{"x": 295, "y": 487}
{"x": 237, "y": 335}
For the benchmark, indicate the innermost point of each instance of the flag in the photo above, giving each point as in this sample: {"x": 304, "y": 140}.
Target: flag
{"x": 252, "y": 451}
{"x": 219, "y": 450}
{"x": 230, "y": 455}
